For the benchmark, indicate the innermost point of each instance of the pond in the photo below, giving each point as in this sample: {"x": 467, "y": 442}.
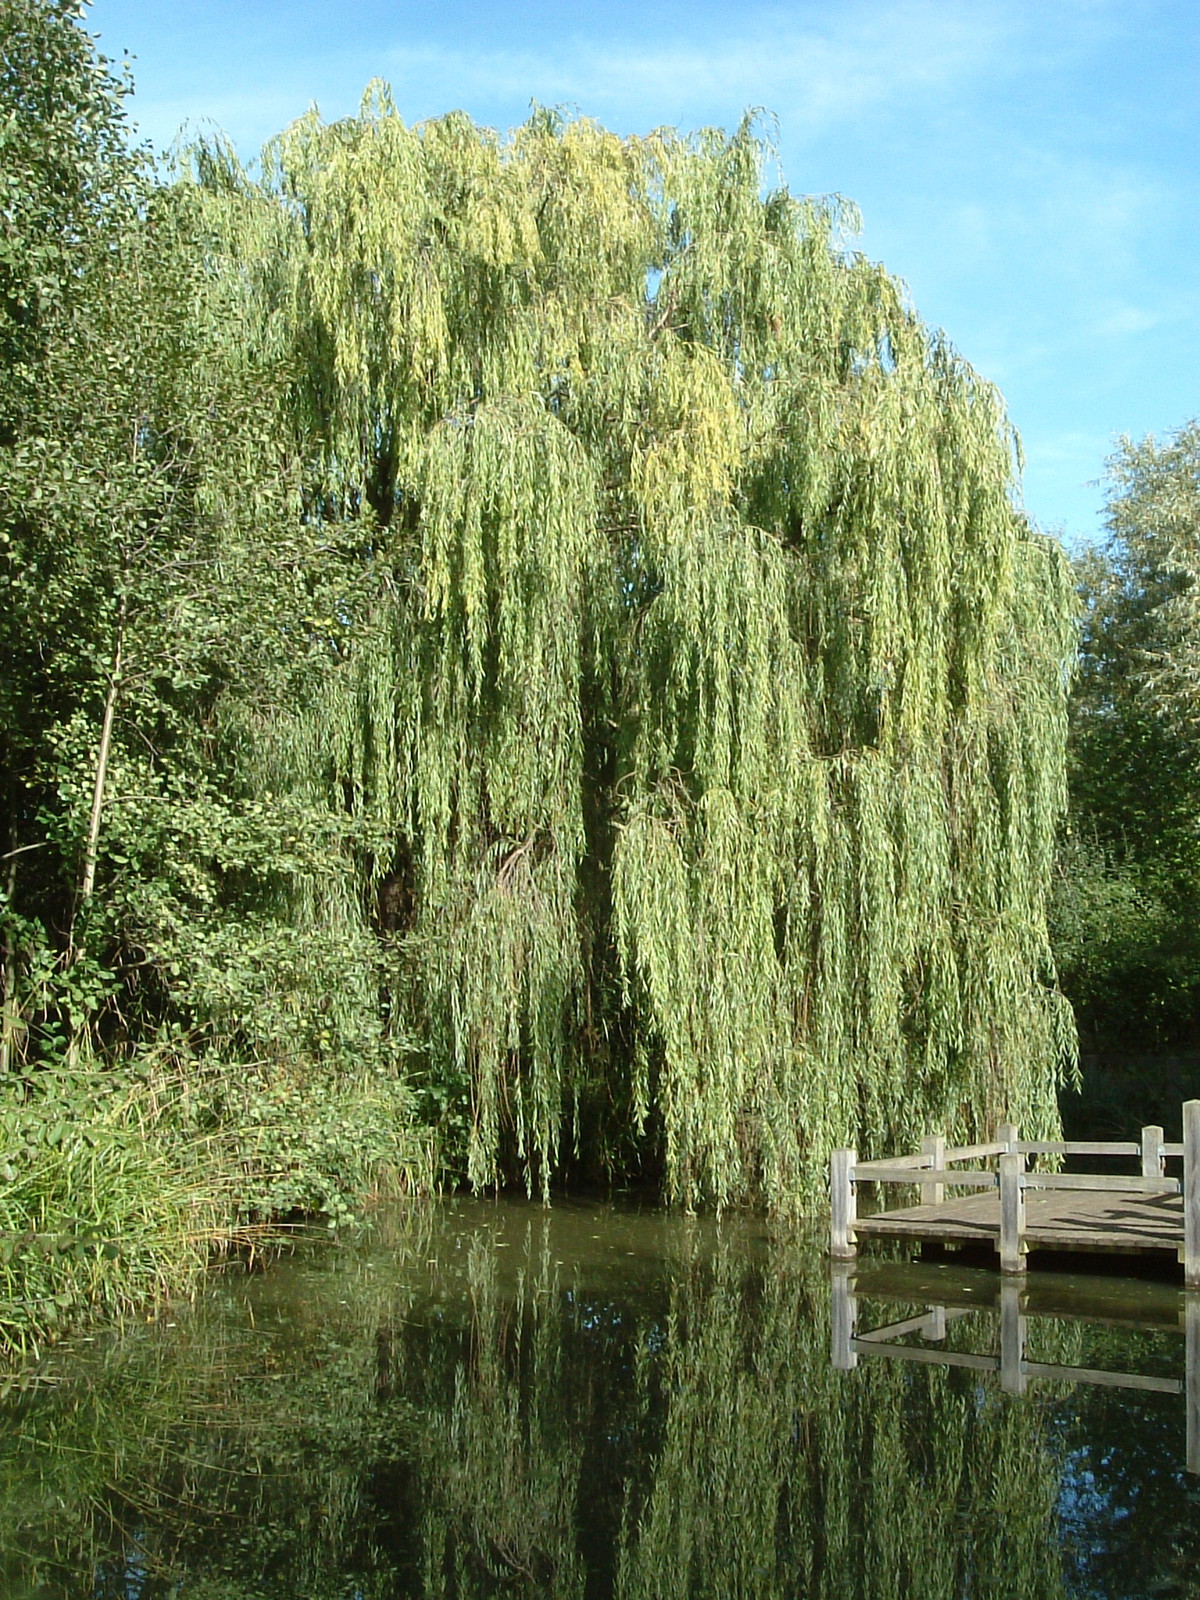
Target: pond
{"x": 492, "y": 1399}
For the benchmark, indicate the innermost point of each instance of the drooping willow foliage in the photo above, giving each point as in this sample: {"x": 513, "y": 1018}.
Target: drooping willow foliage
{"x": 701, "y": 706}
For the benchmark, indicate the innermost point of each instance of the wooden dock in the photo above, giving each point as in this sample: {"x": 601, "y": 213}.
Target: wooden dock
{"x": 1015, "y": 1205}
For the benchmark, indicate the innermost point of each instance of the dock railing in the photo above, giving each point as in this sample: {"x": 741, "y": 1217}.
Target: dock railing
{"x": 936, "y": 1168}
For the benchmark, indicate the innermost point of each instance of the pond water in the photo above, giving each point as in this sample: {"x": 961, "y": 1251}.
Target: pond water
{"x": 491, "y": 1399}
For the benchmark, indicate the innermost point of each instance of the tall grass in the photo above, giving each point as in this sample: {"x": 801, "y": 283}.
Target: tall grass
{"x": 117, "y": 1190}
{"x": 100, "y": 1224}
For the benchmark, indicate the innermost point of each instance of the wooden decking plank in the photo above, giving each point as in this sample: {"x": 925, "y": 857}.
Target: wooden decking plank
{"x": 1056, "y": 1219}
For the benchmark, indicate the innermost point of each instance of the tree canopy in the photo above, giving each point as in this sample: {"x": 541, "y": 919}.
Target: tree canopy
{"x": 708, "y": 709}
{"x": 1128, "y": 890}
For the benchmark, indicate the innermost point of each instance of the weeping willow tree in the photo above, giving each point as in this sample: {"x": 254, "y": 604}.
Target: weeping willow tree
{"x": 701, "y": 703}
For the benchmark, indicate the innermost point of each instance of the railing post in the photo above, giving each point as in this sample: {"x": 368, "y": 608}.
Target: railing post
{"x": 1012, "y": 1212}
{"x": 1191, "y": 1193}
{"x": 1192, "y": 1381}
{"x": 934, "y": 1146}
{"x": 1006, "y": 1133}
{"x": 1012, "y": 1337}
{"x": 843, "y": 1317}
{"x": 1152, "y": 1159}
{"x": 842, "y": 1205}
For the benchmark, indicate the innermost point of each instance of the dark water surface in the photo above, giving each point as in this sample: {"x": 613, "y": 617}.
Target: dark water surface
{"x": 496, "y": 1400}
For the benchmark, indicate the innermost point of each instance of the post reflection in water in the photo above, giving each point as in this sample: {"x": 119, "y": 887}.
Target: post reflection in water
{"x": 1065, "y": 1300}
{"x": 488, "y": 1400}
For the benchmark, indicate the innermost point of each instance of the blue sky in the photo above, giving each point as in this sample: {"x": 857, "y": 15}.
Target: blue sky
{"x": 1029, "y": 168}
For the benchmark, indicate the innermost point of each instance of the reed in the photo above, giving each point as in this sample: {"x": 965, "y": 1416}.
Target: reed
{"x": 119, "y": 1192}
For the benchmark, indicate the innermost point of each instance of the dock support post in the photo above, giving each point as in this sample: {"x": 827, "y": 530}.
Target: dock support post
{"x": 1012, "y": 1339}
{"x": 1152, "y": 1160}
{"x": 842, "y": 1205}
{"x": 1192, "y": 1381}
{"x": 1012, "y": 1213}
{"x": 934, "y": 1146}
{"x": 843, "y": 1317}
{"x": 1191, "y": 1193}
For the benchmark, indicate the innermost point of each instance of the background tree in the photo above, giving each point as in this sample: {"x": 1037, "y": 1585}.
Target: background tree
{"x": 68, "y": 178}
{"x": 182, "y": 1052}
{"x": 66, "y": 166}
{"x": 1127, "y": 900}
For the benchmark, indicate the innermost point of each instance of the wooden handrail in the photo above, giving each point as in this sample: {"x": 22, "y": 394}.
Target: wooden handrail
{"x": 968, "y": 1178}
{"x": 914, "y": 1163}
{"x": 1079, "y": 1147}
{"x": 893, "y": 1172}
{"x": 1026, "y": 1147}
{"x": 1093, "y": 1147}
{"x": 975, "y": 1152}
{"x": 1116, "y": 1182}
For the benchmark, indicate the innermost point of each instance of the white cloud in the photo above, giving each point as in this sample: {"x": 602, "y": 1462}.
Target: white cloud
{"x": 1122, "y": 321}
{"x": 826, "y": 68}
{"x": 862, "y": 58}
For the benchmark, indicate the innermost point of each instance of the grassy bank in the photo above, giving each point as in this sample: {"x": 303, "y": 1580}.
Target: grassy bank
{"x": 117, "y": 1190}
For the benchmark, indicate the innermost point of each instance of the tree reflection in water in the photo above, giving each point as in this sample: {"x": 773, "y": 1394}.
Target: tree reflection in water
{"x": 495, "y": 1400}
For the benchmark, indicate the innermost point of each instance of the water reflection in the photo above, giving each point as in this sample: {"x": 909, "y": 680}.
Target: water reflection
{"x": 498, "y": 1401}
{"x": 948, "y": 1297}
